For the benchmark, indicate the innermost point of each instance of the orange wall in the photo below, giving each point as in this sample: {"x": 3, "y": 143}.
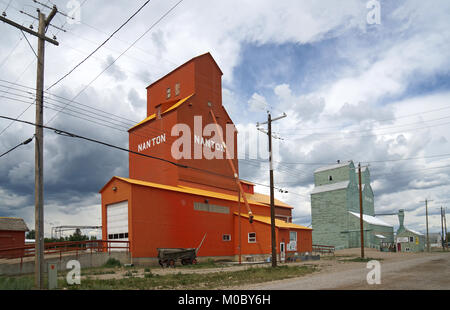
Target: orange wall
{"x": 161, "y": 218}
{"x": 263, "y": 243}
{"x": 148, "y": 169}
{"x": 202, "y": 77}
{"x": 156, "y": 92}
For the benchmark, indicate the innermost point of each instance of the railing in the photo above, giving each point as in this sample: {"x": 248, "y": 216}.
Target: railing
{"x": 323, "y": 249}
{"x": 87, "y": 246}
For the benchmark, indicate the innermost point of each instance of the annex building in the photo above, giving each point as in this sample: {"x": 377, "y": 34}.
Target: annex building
{"x": 408, "y": 240}
{"x": 193, "y": 193}
{"x": 335, "y": 211}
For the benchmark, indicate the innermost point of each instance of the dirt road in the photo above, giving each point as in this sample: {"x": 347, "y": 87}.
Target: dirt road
{"x": 408, "y": 271}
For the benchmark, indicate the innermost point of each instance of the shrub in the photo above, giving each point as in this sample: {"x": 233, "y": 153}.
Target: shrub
{"x": 112, "y": 262}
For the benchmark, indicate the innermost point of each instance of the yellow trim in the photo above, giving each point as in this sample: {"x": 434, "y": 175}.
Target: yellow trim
{"x": 278, "y": 223}
{"x": 176, "y": 105}
{"x": 144, "y": 121}
{"x": 187, "y": 190}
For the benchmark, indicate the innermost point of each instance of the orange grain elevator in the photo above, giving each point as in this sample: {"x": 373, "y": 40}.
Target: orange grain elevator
{"x": 192, "y": 192}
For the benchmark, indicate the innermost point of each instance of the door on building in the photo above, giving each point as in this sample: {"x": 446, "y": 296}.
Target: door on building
{"x": 282, "y": 252}
{"x": 399, "y": 247}
{"x": 117, "y": 225}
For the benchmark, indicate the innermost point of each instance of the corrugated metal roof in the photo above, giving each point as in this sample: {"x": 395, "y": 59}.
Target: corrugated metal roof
{"x": 185, "y": 189}
{"x": 330, "y": 187}
{"x": 278, "y": 223}
{"x": 13, "y": 224}
{"x": 415, "y": 232}
{"x": 330, "y": 167}
{"x": 173, "y": 107}
{"x": 256, "y": 199}
{"x": 246, "y": 182}
{"x": 372, "y": 220}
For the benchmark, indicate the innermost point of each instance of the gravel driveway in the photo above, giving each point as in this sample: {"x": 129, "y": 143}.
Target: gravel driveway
{"x": 414, "y": 271}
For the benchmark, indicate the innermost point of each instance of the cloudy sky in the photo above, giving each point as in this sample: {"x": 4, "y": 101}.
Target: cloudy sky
{"x": 352, "y": 89}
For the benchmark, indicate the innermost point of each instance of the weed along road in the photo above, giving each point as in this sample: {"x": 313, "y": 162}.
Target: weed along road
{"x": 399, "y": 271}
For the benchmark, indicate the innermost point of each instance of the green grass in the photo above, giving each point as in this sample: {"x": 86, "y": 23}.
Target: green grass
{"x": 179, "y": 280}
{"x": 196, "y": 280}
{"x": 210, "y": 263}
{"x": 360, "y": 260}
{"x": 17, "y": 283}
{"x": 112, "y": 262}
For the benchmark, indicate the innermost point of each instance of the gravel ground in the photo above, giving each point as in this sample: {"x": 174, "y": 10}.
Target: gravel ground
{"x": 413, "y": 271}
{"x": 398, "y": 271}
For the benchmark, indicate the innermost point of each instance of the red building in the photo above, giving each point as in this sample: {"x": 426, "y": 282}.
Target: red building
{"x": 12, "y": 235}
{"x": 175, "y": 203}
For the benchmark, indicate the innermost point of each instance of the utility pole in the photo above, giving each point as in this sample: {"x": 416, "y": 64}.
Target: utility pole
{"x": 426, "y": 215}
{"x": 445, "y": 228}
{"x": 442, "y": 230}
{"x": 361, "y": 221}
{"x": 272, "y": 199}
{"x": 239, "y": 227}
{"x": 44, "y": 22}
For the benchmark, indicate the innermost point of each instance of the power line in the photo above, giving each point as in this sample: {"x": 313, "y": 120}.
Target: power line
{"x": 150, "y": 132}
{"x": 23, "y": 143}
{"x": 104, "y": 42}
{"x": 20, "y": 76}
{"x": 372, "y": 129}
{"x": 72, "y": 135}
{"x": 29, "y": 44}
{"x": 128, "y": 48}
{"x": 373, "y": 121}
{"x": 10, "y": 53}
{"x": 289, "y": 171}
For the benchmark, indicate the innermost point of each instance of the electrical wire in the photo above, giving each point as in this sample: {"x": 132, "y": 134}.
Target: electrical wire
{"x": 128, "y": 48}
{"x": 131, "y": 123}
{"x": 72, "y": 135}
{"x": 23, "y": 143}
{"x": 100, "y": 46}
{"x": 145, "y": 133}
{"x": 29, "y": 43}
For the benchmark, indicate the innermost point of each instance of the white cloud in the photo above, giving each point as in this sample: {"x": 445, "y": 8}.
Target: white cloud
{"x": 411, "y": 46}
{"x": 257, "y": 103}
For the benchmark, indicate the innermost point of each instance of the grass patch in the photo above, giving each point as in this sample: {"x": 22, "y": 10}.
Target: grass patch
{"x": 112, "y": 262}
{"x": 17, "y": 283}
{"x": 360, "y": 260}
{"x": 210, "y": 263}
{"x": 196, "y": 280}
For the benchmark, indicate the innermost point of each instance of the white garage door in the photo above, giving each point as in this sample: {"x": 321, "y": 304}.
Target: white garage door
{"x": 117, "y": 224}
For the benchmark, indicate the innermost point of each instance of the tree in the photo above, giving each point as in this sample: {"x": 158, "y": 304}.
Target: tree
{"x": 31, "y": 234}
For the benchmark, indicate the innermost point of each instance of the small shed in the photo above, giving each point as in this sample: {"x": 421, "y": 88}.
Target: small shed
{"x": 12, "y": 235}
{"x": 408, "y": 240}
